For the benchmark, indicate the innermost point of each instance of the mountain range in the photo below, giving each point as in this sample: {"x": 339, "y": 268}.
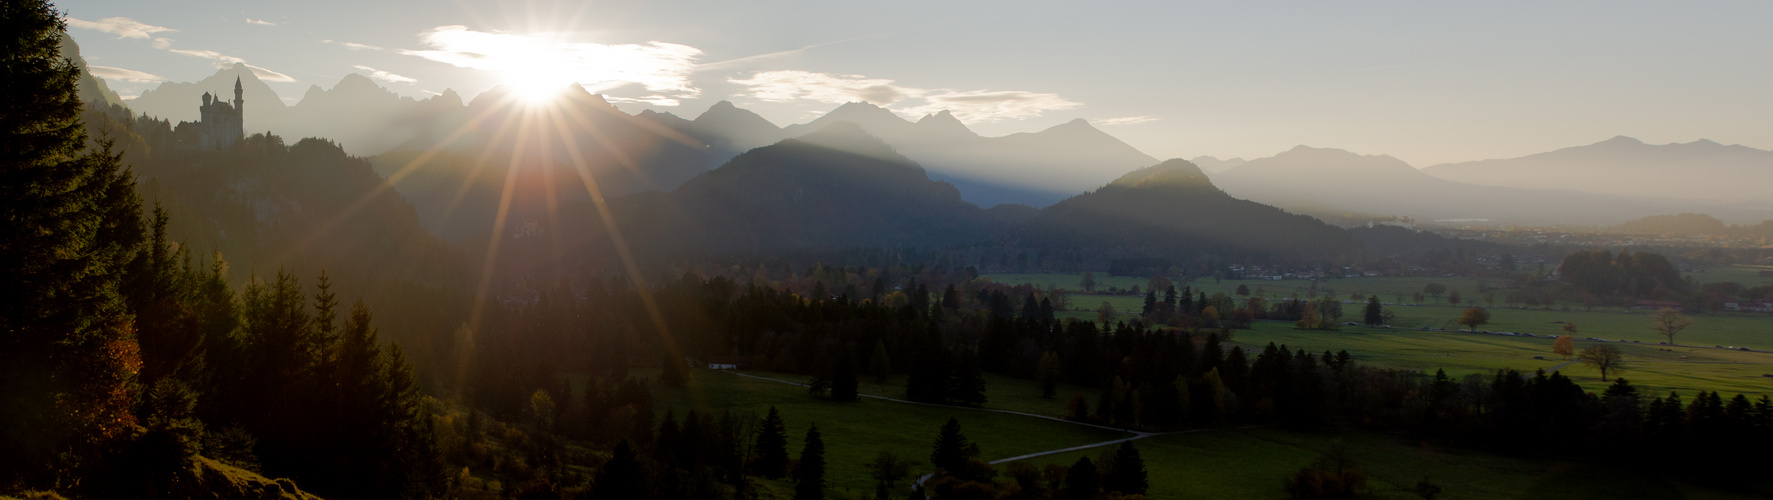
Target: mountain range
{"x": 1604, "y": 183}
{"x": 1698, "y": 170}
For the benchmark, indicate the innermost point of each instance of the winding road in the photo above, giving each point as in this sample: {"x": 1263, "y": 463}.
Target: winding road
{"x": 1133, "y": 435}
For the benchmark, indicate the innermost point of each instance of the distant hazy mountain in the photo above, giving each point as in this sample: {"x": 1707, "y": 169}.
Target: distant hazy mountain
{"x": 1035, "y": 169}
{"x": 1699, "y": 170}
{"x": 1675, "y": 225}
{"x": 1311, "y": 180}
{"x": 1172, "y": 210}
{"x": 177, "y": 101}
{"x": 1213, "y": 165}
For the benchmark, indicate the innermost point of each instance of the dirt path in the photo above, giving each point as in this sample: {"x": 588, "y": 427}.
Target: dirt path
{"x": 1132, "y": 435}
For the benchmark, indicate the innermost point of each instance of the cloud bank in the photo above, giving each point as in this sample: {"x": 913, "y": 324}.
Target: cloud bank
{"x": 970, "y": 106}
{"x": 1126, "y": 120}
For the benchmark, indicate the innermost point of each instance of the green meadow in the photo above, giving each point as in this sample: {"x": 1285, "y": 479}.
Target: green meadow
{"x": 1695, "y": 364}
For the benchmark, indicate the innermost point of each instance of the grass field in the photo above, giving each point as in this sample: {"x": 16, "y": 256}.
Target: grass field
{"x": 1217, "y": 463}
{"x": 1694, "y": 365}
{"x": 854, "y": 432}
{"x": 1254, "y": 463}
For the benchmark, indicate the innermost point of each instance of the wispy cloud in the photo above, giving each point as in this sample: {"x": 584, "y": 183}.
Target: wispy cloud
{"x": 729, "y": 63}
{"x": 385, "y": 76}
{"x": 126, "y": 75}
{"x": 225, "y": 61}
{"x": 270, "y": 76}
{"x": 1126, "y": 120}
{"x": 656, "y": 100}
{"x": 992, "y": 105}
{"x": 779, "y": 86}
{"x": 352, "y": 45}
{"x": 259, "y": 22}
{"x": 123, "y": 27}
{"x": 967, "y": 106}
{"x": 657, "y": 66}
{"x": 162, "y": 43}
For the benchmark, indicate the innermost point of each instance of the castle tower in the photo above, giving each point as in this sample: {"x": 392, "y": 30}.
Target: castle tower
{"x": 239, "y": 100}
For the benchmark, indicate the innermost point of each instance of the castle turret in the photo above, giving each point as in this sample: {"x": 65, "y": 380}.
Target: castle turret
{"x": 239, "y": 96}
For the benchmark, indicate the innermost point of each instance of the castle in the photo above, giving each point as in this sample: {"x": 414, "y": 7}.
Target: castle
{"x": 222, "y": 125}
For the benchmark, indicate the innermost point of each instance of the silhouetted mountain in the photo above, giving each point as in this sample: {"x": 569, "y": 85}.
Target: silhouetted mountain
{"x": 1312, "y": 180}
{"x": 1698, "y": 170}
{"x": 1213, "y": 165}
{"x": 92, "y": 89}
{"x": 177, "y": 102}
{"x": 740, "y": 130}
{"x": 836, "y": 187}
{"x": 1030, "y": 168}
{"x": 1173, "y": 211}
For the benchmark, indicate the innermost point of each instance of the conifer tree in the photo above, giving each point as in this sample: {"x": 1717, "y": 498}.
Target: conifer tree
{"x": 71, "y": 223}
{"x": 1082, "y": 481}
{"x": 620, "y": 478}
{"x": 1128, "y": 475}
{"x": 950, "y": 451}
{"x": 879, "y": 364}
{"x": 809, "y": 476}
{"x": 772, "y": 447}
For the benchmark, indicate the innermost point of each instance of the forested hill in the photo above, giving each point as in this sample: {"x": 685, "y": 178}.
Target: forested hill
{"x": 1171, "y": 210}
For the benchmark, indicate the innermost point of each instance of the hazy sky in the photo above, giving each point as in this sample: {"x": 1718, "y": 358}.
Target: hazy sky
{"x": 1428, "y": 82}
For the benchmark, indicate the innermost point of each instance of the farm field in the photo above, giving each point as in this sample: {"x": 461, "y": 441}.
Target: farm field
{"x": 1254, "y": 463}
{"x": 1213, "y": 463}
{"x": 1695, "y": 364}
{"x": 854, "y": 432}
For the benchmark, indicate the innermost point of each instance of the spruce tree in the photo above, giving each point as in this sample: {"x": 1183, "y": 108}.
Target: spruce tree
{"x": 950, "y": 451}
{"x": 1375, "y": 313}
{"x": 809, "y": 476}
{"x": 844, "y": 384}
{"x": 620, "y": 478}
{"x": 1082, "y": 481}
{"x": 71, "y": 222}
{"x": 772, "y": 447}
{"x": 1128, "y": 475}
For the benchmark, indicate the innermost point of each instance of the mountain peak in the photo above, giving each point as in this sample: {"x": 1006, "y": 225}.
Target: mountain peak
{"x": 1622, "y": 140}
{"x": 848, "y": 136}
{"x": 945, "y": 123}
{"x": 1172, "y": 172}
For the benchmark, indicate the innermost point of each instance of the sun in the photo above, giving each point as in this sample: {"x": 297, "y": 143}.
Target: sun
{"x": 537, "y": 84}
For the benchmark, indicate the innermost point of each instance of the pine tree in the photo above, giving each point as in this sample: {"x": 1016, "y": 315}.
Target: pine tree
{"x": 772, "y": 447}
{"x": 71, "y": 223}
{"x": 844, "y": 384}
{"x": 620, "y": 478}
{"x": 1082, "y": 481}
{"x": 809, "y": 476}
{"x": 967, "y": 384}
{"x": 1128, "y": 475}
{"x": 1375, "y": 313}
{"x": 950, "y": 451}
{"x": 879, "y": 364}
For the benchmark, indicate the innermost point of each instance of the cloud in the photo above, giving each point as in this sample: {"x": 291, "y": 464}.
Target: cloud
{"x": 162, "y": 43}
{"x": 657, "y": 66}
{"x": 268, "y": 75}
{"x": 656, "y": 100}
{"x": 385, "y": 76}
{"x": 126, "y": 75}
{"x": 778, "y": 86}
{"x": 968, "y": 106}
{"x": 123, "y": 27}
{"x": 1126, "y": 120}
{"x": 220, "y": 59}
{"x": 259, "y": 22}
{"x": 352, "y": 45}
{"x": 772, "y": 55}
{"x": 989, "y": 106}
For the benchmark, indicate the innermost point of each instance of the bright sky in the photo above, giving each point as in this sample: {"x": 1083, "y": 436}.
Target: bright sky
{"x": 1427, "y": 82}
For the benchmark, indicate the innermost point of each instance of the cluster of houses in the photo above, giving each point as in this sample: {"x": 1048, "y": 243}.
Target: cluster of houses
{"x": 1749, "y": 306}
